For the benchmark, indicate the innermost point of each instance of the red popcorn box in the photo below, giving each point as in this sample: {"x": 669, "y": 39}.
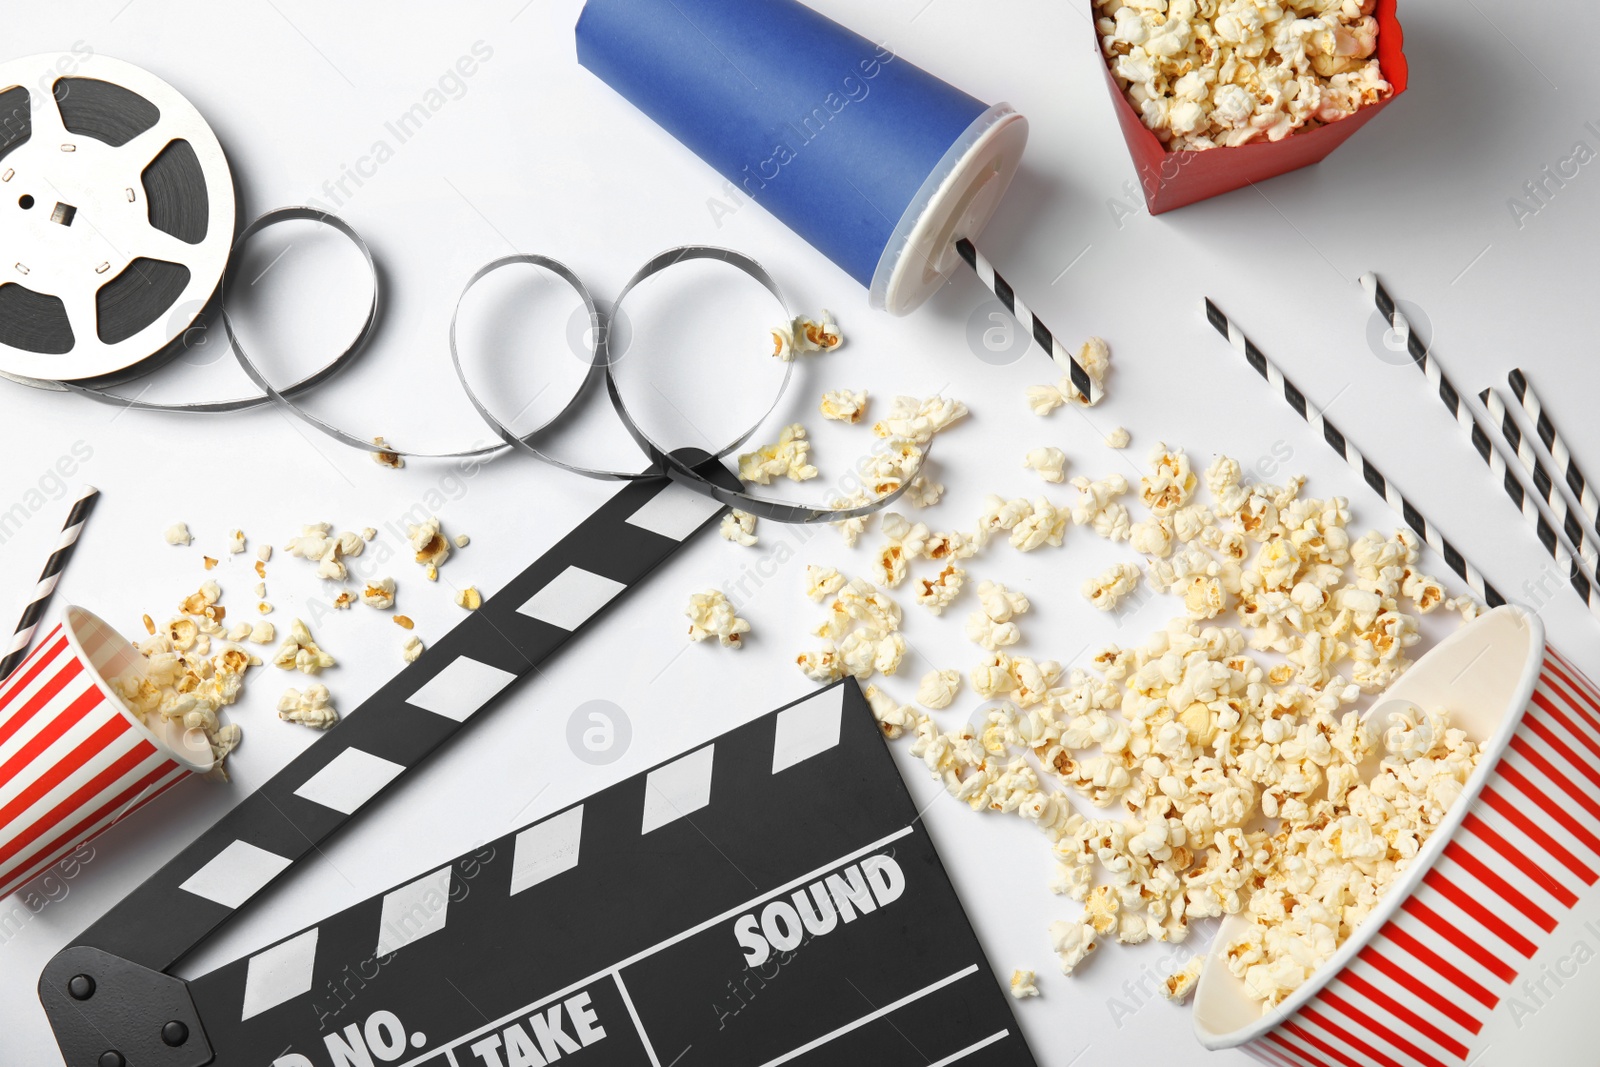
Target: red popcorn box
{"x": 1176, "y": 179}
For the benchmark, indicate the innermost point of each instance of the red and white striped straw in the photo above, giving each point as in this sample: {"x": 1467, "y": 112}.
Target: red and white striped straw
{"x": 53, "y": 568}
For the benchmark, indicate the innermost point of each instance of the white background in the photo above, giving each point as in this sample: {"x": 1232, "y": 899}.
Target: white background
{"x": 538, "y": 155}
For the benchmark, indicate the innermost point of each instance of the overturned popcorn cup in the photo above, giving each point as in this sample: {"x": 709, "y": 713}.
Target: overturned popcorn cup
{"x": 74, "y": 759}
{"x": 1482, "y": 951}
{"x": 1174, "y": 179}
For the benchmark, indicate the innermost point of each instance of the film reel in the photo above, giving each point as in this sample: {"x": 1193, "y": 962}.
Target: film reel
{"x": 117, "y": 212}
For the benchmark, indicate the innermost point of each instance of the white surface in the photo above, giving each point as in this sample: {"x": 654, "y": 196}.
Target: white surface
{"x": 537, "y": 155}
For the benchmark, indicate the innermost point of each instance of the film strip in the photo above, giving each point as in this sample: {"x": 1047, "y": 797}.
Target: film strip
{"x": 771, "y": 897}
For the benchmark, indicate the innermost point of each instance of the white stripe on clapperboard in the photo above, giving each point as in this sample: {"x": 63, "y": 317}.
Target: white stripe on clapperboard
{"x": 615, "y": 969}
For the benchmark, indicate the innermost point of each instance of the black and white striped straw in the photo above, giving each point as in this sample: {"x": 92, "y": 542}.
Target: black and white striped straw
{"x": 53, "y": 567}
{"x": 1360, "y": 464}
{"x": 1566, "y": 466}
{"x": 1083, "y": 384}
{"x": 1513, "y": 437}
{"x": 1561, "y": 549}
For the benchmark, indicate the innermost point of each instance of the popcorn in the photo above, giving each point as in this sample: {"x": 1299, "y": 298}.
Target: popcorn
{"x": 1045, "y": 524}
{"x": 314, "y": 542}
{"x": 862, "y": 635}
{"x": 918, "y": 420}
{"x": 841, "y": 405}
{"x": 461, "y": 540}
{"x": 1048, "y": 463}
{"x": 1022, "y": 985}
{"x": 821, "y": 336}
{"x": 1171, "y": 483}
{"x": 379, "y": 594}
{"x": 404, "y": 622}
{"x": 178, "y": 534}
{"x": 924, "y": 492}
{"x": 469, "y": 598}
{"x": 430, "y": 545}
{"x": 938, "y": 689}
{"x": 739, "y": 527}
{"x": 1230, "y": 73}
{"x": 1111, "y": 587}
{"x": 236, "y": 542}
{"x": 300, "y": 652}
{"x": 1072, "y": 941}
{"x": 1094, "y": 356}
{"x": 1118, "y": 438}
{"x": 999, "y": 514}
{"x": 1177, "y": 986}
{"x": 893, "y": 718}
{"x": 936, "y": 594}
{"x": 991, "y": 626}
{"x": 1043, "y": 399}
{"x": 263, "y": 553}
{"x": 412, "y": 650}
{"x": 1098, "y": 508}
{"x": 1188, "y": 735}
{"x": 951, "y": 545}
{"x": 905, "y": 543}
{"x": 312, "y": 708}
{"x": 805, "y": 335}
{"x": 711, "y": 615}
{"x": 1001, "y": 604}
{"x": 188, "y": 684}
{"x": 263, "y": 633}
{"x": 784, "y": 459}
{"x": 821, "y": 666}
{"x": 1152, "y": 537}
{"x": 822, "y": 582}
{"x": 385, "y": 456}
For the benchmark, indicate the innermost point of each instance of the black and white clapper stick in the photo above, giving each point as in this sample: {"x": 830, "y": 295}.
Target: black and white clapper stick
{"x": 1084, "y": 385}
{"x": 1560, "y": 548}
{"x": 1362, "y": 466}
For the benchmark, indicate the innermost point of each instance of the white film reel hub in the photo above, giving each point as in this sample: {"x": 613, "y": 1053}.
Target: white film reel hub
{"x": 75, "y": 215}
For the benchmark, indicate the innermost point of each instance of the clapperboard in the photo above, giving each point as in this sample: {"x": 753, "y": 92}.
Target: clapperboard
{"x": 769, "y": 897}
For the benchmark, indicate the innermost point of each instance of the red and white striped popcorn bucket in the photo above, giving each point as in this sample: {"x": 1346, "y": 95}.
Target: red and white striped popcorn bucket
{"x": 1487, "y": 949}
{"x": 73, "y": 758}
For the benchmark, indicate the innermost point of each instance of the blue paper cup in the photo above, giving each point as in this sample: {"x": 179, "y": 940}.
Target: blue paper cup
{"x": 874, "y": 161}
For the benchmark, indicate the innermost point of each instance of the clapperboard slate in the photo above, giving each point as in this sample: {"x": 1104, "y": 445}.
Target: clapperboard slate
{"x": 770, "y": 897}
